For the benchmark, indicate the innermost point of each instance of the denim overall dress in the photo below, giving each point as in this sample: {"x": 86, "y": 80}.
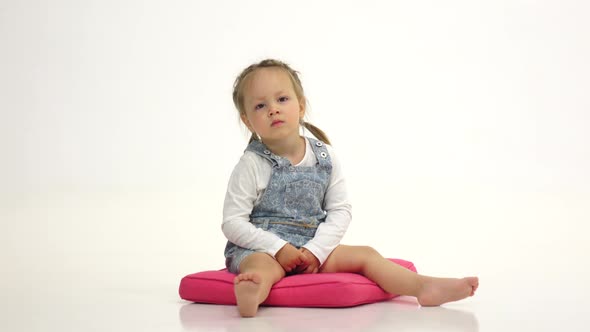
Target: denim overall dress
{"x": 292, "y": 204}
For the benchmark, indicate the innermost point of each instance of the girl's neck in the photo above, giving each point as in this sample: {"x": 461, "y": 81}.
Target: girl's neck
{"x": 292, "y": 148}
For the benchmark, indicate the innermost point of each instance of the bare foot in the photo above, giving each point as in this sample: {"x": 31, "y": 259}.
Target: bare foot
{"x": 437, "y": 291}
{"x": 247, "y": 290}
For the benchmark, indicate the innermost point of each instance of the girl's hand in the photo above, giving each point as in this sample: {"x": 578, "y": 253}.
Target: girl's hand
{"x": 312, "y": 267}
{"x": 289, "y": 258}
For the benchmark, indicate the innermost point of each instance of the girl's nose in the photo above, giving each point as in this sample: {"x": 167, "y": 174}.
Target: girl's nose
{"x": 273, "y": 109}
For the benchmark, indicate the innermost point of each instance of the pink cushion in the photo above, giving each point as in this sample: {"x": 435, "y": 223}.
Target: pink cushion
{"x": 301, "y": 290}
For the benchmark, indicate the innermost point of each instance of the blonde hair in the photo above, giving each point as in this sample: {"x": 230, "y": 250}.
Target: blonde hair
{"x": 238, "y": 93}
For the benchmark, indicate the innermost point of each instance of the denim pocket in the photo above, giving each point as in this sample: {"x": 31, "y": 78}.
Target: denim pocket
{"x": 304, "y": 197}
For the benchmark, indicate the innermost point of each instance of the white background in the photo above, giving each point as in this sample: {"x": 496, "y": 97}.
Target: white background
{"x": 462, "y": 127}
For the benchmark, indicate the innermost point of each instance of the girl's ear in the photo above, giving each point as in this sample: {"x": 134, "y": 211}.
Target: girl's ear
{"x": 245, "y": 121}
{"x": 301, "y": 110}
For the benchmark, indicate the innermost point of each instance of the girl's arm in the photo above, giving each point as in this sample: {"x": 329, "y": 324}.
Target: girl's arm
{"x": 239, "y": 202}
{"x": 336, "y": 203}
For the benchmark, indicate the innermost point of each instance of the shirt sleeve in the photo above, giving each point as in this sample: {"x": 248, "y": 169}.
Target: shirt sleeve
{"x": 339, "y": 214}
{"x": 239, "y": 202}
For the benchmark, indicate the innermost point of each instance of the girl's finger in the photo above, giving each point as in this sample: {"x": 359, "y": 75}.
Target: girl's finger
{"x": 301, "y": 268}
{"x": 305, "y": 259}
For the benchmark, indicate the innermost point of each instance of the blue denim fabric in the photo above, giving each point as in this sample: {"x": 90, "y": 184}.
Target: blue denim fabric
{"x": 292, "y": 204}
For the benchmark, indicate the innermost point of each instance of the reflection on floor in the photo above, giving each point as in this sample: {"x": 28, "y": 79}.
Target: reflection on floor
{"x": 401, "y": 314}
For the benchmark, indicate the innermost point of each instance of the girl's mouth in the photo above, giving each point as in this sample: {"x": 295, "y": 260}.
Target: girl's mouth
{"x": 276, "y": 123}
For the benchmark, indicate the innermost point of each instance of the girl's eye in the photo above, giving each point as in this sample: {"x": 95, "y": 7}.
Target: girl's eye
{"x": 259, "y": 106}
{"x": 283, "y": 99}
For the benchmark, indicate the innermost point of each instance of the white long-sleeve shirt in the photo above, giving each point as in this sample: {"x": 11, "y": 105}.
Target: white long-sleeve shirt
{"x": 246, "y": 186}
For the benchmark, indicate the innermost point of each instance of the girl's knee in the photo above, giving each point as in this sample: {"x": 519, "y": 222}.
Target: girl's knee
{"x": 368, "y": 251}
{"x": 262, "y": 264}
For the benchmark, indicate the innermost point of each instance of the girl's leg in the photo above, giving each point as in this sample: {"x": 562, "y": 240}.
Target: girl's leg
{"x": 258, "y": 272}
{"x": 429, "y": 291}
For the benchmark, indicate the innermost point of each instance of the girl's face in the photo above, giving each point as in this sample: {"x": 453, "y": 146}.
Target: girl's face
{"x": 272, "y": 109}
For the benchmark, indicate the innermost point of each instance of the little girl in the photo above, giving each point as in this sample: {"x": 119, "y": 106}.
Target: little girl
{"x": 286, "y": 207}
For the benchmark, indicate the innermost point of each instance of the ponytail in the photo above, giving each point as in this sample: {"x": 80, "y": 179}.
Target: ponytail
{"x": 317, "y": 132}
{"x": 254, "y": 137}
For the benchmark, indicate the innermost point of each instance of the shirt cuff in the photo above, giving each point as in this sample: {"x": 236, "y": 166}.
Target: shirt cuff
{"x": 321, "y": 255}
{"x": 275, "y": 247}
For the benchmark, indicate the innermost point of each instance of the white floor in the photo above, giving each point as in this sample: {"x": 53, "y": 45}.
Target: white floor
{"x": 47, "y": 305}
{"x": 74, "y": 263}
